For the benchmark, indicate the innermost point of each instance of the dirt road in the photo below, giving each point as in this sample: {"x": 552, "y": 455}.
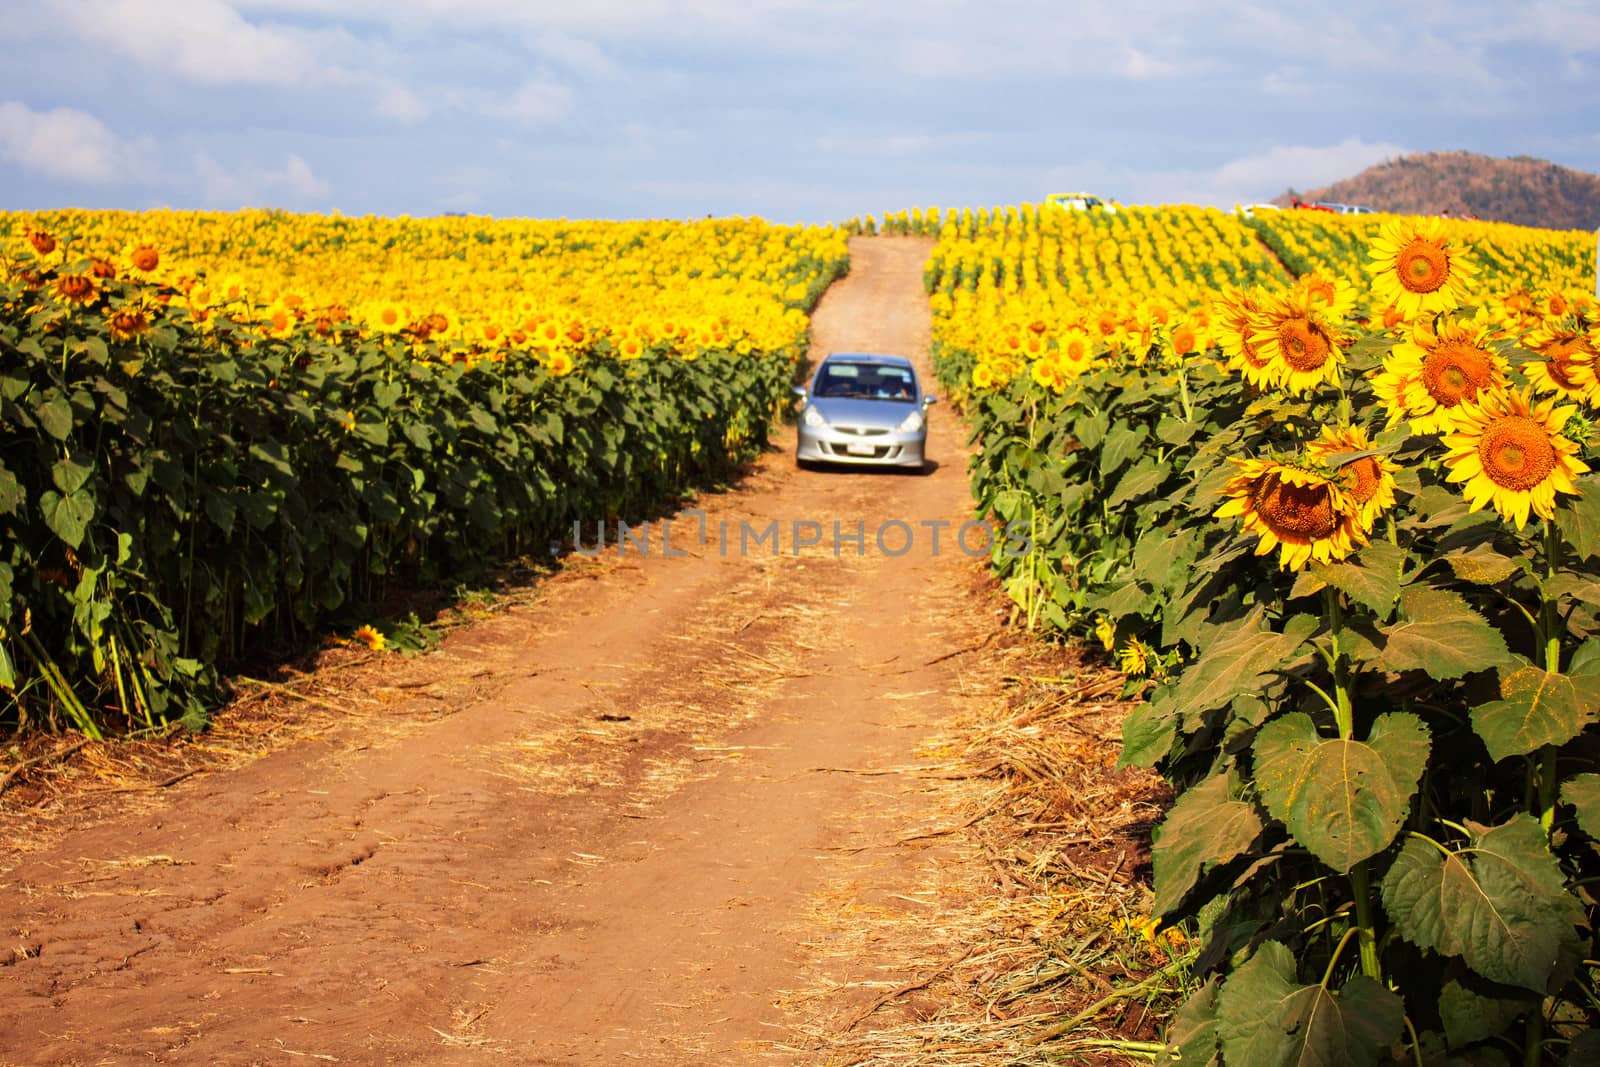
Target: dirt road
{"x": 588, "y": 831}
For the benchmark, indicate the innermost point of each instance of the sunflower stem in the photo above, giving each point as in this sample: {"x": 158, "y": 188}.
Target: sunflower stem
{"x": 1361, "y": 888}
{"x": 1343, "y": 715}
{"x": 1533, "y": 1041}
{"x": 1360, "y": 883}
{"x": 1550, "y": 630}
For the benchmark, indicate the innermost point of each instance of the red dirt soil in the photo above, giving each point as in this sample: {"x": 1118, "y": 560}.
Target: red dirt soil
{"x": 585, "y": 831}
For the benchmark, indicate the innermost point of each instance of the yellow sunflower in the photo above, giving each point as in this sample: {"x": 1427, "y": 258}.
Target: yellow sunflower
{"x": 1368, "y": 481}
{"x": 1310, "y": 516}
{"x": 1438, "y": 368}
{"x": 1511, "y": 453}
{"x": 1047, "y": 372}
{"x": 560, "y": 364}
{"x": 1075, "y": 350}
{"x": 1237, "y": 312}
{"x": 1302, "y": 337}
{"x": 386, "y": 316}
{"x": 370, "y": 637}
{"x": 1417, "y": 268}
{"x": 143, "y": 257}
{"x": 1568, "y": 369}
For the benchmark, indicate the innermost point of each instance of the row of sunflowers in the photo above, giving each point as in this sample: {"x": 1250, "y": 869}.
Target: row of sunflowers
{"x": 222, "y": 434}
{"x": 1342, "y": 529}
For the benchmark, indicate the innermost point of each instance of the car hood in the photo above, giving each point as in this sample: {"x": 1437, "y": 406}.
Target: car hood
{"x": 872, "y": 414}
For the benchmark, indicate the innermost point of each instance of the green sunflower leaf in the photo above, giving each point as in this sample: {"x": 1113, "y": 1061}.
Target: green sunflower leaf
{"x": 1343, "y": 800}
{"x": 1500, "y": 904}
{"x": 1232, "y": 663}
{"x": 1192, "y": 1038}
{"x": 1468, "y": 1017}
{"x": 1372, "y": 578}
{"x": 1266, "y": 1019}
{"x": 68, "y": 515}
{"x": 1578, "y": 517}
{"x": 1480, "y": 564}
{"x": 1441, "y": 636}
{"x": 1536, "y": 708}
{"x": 1582, "y": 791}
{"x": 1203, "y": 829}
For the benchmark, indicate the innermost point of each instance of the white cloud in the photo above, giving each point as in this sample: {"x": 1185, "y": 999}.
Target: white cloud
{"x": 1269, "y": 173}
{"x": 1247, "y": 179}
{"x": 575, "y": 53}
{"x": 535, "y": 101}
{"x": 401, "y": 104}
{"x": 293, "y": 184}
{"x": 61, "y": 143}
{"x": 203, "y": 40}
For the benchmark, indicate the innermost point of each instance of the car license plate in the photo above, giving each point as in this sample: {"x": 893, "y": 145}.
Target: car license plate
{"x": 859, "y": 449}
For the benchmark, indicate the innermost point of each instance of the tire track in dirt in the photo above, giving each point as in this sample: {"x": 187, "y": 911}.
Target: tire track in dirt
{"x": 606, "y": 857}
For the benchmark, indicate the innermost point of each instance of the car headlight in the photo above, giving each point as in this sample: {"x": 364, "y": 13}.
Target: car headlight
{"x": 912, "y": 423}
{"x": 813, "y": 418}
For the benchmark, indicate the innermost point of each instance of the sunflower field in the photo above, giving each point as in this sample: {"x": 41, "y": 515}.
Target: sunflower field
{"x": 219, "y": 431}
{"x": 1335, "y": 511}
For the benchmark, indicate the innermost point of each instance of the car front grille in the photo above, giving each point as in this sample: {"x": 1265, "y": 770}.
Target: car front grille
{"x": 878, "y": 451}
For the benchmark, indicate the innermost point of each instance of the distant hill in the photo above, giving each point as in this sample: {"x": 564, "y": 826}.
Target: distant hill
{"x": 1521, "y": 189}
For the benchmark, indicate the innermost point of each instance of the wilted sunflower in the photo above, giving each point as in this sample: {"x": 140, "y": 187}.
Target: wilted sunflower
{"x": 43, "y": 243}
{"x": 1568, "y": 369}
{"x": 76, "y": 288}
{"x": 1308, "y": 514}
{"x": 1438, "y": 368}
{"x": 1367, "y": 481}
{"x": 1417, "y": 268}
{"x": 128, "y": 322}
{"x": 1511, "y": 453}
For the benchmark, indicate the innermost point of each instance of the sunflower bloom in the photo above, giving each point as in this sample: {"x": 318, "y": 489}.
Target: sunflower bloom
{"x": 77, "y": 288}
{"x": 1368, "y": 481}
{"x": 1439, "y": 368}
{"x": 1511, "y": 454}
{"x": 388, "y": 317}
{"x": 144, "y": 258}
{"x": 1238, "y": 312}
{"x": 1418, "y": 269}
{"x": 1133, "y": 658}
{"x": 1305, "y": 513}
{"x": 1568, "y": 369}
{"x": 1300, "y": 336}
{"x": 43, "y": 243}
{"x": 370, "y": 637}
{"x": 128, "y": 322}
{"x": 560, "y": 364}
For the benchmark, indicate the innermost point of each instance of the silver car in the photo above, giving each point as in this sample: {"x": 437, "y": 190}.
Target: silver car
{"x": 864, "y": 408}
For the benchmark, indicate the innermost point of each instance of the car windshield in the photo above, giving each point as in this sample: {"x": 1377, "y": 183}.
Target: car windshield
{"x": 866, "y": 381}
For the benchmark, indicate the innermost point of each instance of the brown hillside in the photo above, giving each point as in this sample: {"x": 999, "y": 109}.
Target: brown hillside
{"x": 1523, "y": 190}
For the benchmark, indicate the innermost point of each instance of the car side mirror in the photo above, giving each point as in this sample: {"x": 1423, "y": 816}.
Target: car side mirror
{"x": 799, "y": 392}
{"x": 928, "y": 400}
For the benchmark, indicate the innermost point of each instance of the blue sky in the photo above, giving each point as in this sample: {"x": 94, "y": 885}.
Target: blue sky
{"x": 794, "y": 111}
